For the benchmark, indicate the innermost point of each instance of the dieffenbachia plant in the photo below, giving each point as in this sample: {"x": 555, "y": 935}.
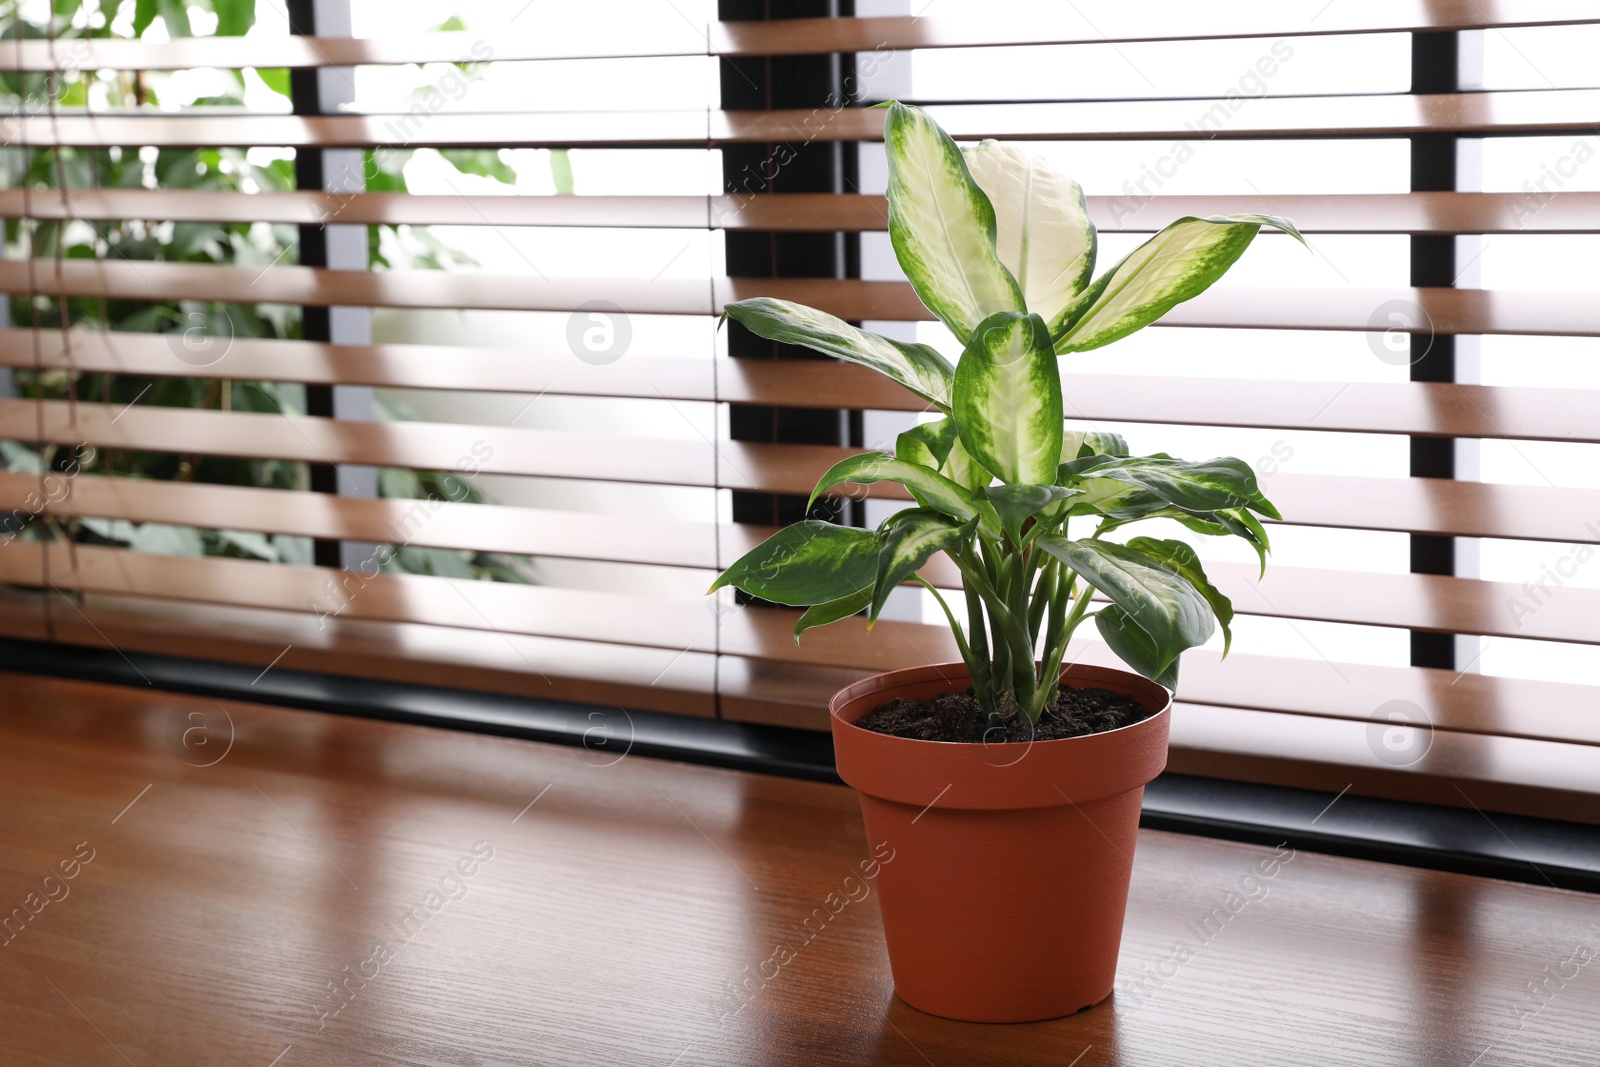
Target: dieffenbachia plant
{"x": 1000, "y": 248}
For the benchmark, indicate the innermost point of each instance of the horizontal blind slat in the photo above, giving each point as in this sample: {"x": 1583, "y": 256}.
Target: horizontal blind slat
{"x": 1469, "y": 703}
{"x": 430, "y": 523}
{"x": 1437, "y": 310}
{"x": 1105, "y": 21}
{"x": 1375, "y": 115}
{"x": 357, "y": 593}
{"x": 1411, "y": 505}
{"x": 1539, "y": 211}
{"x": 585, "y": 672}
{"x": 1426, "y": 602}
{"x": 1416, "y": 408}
{"x": 1329, "y": 689}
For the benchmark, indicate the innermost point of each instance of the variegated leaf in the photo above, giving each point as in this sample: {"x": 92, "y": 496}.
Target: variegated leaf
{"x": 1077, "y": 444}
{"x": 961, "y": 468}
{"x": 912, "y": 539}
{"x": 810, "y": 562}
{"x": 927, "y": 443}
{"x": 1159, "y": 600}
{"x": 1007, "y": 399}
{"x": 1204, "y": 485}
{"x": 1016, "y": 504}
{"x": 1135, "y": 647}
{"x": 1181, "y": 558}
{"x": 933, "y": 489}
{"x": 1042, "y": 227}
{"x": 919, "y": 368}
{"x": 942, "y": 225}
{"x": 1175, "y": 265}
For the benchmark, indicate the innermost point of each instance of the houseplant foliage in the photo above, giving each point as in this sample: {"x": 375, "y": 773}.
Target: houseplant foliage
{"x": 48, "y": 170}
{"x": 1001, "y": 250}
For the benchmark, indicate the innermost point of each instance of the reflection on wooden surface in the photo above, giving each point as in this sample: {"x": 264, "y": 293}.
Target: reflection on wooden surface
{"x": 272, "y": 883}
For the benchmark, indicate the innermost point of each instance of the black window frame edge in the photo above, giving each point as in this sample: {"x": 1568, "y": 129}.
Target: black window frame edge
{"x": 1515, "y": 848}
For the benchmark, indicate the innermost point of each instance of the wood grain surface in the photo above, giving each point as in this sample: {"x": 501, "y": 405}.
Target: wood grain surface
{"x": 229, "y": 864}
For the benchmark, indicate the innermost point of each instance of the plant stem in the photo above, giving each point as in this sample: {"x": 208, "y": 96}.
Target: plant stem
{"x": 977, "y": 668}
{"x": 979, "y": 645}
{"x": 1011, "y": 644}
{"x": 1055, "y": 643}
{"x": 1085, "y": 595}
{"x": 1022, "y": 663}
{"x": 1043, "y": 595}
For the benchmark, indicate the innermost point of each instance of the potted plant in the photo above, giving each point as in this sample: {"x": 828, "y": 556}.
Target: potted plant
{"x": 1008, "y": 786}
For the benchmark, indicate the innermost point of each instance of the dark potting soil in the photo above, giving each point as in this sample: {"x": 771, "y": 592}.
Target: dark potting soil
{"x": 959, "y": 717}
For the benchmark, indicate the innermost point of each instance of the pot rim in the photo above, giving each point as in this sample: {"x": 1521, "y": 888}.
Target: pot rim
{"x": 978, "y": 775}
{"x": 866, "y": 684}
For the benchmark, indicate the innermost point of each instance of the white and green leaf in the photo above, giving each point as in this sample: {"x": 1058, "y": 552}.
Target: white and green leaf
{"x": 1135, "y": 647}
{"x": 1199, "y": 486}
{"x": 961, "y": 468}
{"x": 910, "y": 539}
{"x": 919, "y": 368}
{"x": 1156, "y": 598}
{"x": 1042, "y": 227}
{"x": 942, "y": 225}
{"x": 809, "y": 562}
{"x": 1007, "y": 399}
{"x": 1181, "y": 558}
{"x": 1175, "y": 265}
{"x": 933, "y": 490}
{"x": 1078, "y": 444}
{"x": 1016, "y": 504}
{"x": 927, "y": 443}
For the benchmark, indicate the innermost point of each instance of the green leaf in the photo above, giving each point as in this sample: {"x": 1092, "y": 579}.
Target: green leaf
{"x": 1015, "y": 504}
{"x": 167, "y": 540}
{"x": 144, "y": 13}
{"x": 810, "y": 562}
{"x": 942, "y": 225}
{"x": 1205, "y": 486}
{"x": 1078, "y": 444}
{"x": 1241, "y": 523}
{"x": 1160, "y": 601}
{"x": 1123, "y": 502}
{"x": 250, "y": 544}
{"x": 1042, "y": 227}
{"x": 175, "y": 13}
{"x": 276, "y": 79}
{"x": 484, "y": 162}
{"x": 938, "y": 491}
{"x": 561, "y": 171}
{"x": 833, "y": 611}
{"x": 927, "y": 443}
{"x": 967, "y": 472}
{"x": 388, "y": 174}
{"x": 908, "y": 543}
{"x": 1134, "y": 647}
{"x": 234, "y": 17}
{"x": 1181, "y": 558}
{"x": 1007, "y": 399}
{"x": 919, "y": 368}
{"x": 1175, "y": 265}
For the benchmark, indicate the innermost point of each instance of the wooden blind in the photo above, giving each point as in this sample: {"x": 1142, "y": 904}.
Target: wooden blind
{"x": 1502, "y": 743}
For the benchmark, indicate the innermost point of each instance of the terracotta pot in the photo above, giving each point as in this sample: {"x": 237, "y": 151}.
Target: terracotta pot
{"x": 1005, "y": 895}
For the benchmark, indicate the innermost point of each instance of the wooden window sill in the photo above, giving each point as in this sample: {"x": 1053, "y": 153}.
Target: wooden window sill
{"x": 628, "y": 911}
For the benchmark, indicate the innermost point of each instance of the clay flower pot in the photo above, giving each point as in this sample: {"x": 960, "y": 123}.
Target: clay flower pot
{"x": 1005, "y": 899}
